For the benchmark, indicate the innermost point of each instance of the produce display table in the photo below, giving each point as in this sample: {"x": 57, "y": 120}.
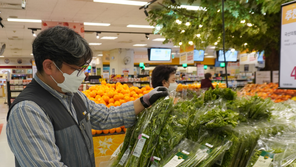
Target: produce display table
{"x": 104, "y": 147}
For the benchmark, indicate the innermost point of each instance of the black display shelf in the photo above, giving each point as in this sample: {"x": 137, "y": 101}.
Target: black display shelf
{"x": 16, "y": 90}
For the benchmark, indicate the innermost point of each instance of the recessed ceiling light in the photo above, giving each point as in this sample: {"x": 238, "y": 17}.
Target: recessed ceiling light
{"x": 159, "y": 39}
{"x": 139, "y": 26}
{"x": 95, "y": 43}
{"x": 31, "y": 54}
{"x": 96, "y": 24}
{"x": 140, "y": 45}
{"x": 123, "y": 2}
{"x": 111, "y": 38}
{"x": 24, "y": 20}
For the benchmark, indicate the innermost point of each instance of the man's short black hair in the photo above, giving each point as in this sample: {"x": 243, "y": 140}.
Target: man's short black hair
{"x": 161, "y": 73}
{"x": 208, "y": 75}
{"x": 61, "y": 44}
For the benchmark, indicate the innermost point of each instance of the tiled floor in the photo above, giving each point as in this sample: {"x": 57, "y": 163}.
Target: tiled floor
{"x": 6, "y": 156}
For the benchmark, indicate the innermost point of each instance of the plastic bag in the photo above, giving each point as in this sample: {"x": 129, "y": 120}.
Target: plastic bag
{"x": 151, "y": 129}
{"x": 180, "y": 153}
{"x": 175, "y": 129}
{"x": 129, "y": 141}
{"x": 266, "y": 151}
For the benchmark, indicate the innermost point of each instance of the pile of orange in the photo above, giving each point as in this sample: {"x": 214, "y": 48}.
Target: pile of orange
{"x": 111, "y": 131}
{"x": 114, "y": 94}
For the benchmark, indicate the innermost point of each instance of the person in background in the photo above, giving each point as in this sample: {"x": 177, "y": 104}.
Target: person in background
{"x": 50, "y": 122}
{"x": 164, "y": 75}
{"x": 86, "y": 76}
{"x": 207, "y": 82}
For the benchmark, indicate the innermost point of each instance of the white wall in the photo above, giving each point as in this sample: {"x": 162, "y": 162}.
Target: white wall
{"x": 117, "y": 61}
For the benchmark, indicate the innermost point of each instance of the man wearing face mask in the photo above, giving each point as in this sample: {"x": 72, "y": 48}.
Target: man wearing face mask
{"x": 50, "y": 122}
{"x": 164, "y": 75}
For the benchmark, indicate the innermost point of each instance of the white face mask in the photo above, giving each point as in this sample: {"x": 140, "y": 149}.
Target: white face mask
{"x": 71, "y": 82}
{"x": 173, "y": 86}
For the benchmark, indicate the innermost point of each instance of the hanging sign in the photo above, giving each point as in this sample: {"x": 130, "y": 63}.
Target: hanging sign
{"x": 248, "y": 58}
{"x": 190, "y": 57}
{"x": 183, "y": 58}
{"x": 287, "y": 72}
{"x": 200, "y": 70}
{"x": 188, "y": 52}
{"x": 77, "y": 27}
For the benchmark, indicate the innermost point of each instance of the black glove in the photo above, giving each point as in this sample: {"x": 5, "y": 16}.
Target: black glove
{"x": 148, "y": 99}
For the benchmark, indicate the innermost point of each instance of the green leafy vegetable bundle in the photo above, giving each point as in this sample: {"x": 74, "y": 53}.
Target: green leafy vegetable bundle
{"x": 151, "y": 128}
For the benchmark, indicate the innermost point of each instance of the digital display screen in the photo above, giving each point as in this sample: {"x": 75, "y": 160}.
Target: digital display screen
{"x": 260, "y": 56}
{"x": 199, "y": 55}
{"x": 159, "y": 54}
{"x": 230, "y": 56}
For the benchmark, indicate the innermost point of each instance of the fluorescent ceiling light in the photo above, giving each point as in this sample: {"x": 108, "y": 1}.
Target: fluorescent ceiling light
{"x": 176, "y": 46}
{"x": 189, "y": 7}
{"x": 139, "y": 26}
{"x": 123, "y": 2}
{"x": 96, "y": 24}
{"x": 1, "y": 56}
{"x": 159, "y": 39}
{"x": 24, "y": 20}
{"x": 209, "y": 56}
{"x": 141, "y": 3}
{"x": 95, "y": 43}
{"x": 111, "y": 38}
{"x": 140, "y": 45}
{"x": 100, "y": 54}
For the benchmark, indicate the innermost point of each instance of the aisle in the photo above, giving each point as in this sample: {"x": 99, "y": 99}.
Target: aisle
{"x": 6, "y": 156}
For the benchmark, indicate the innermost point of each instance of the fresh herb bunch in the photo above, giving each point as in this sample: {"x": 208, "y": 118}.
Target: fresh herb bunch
{"x": 152, "y": 127}
{"x": 175, "y": 128}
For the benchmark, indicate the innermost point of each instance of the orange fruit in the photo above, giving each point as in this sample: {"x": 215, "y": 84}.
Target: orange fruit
{"x": 116, "y": 97}
{"x": 103, "y": 83}
{"x": 117, "y": 103}
{"x": 100, "y": 92}
{"x": 106, "y": 98}
{"x": 121, "y": 96}
{"x": 93, "y": 132}
{"x": 121, "y": 101}
{"x": 110, "y": 94}
{"x": 124, "y": 129}
{"x": 140, "y": 95}
{"x": 106, "y": 131}
{"x": 111, "y": 100}
{"x": 145, "y": 92}
{"x": 92, "y": 88}
{"x": 98, "y": 97}
{"x": 132, "y": 99}
{"x": 111, "y": 104}
{"x": 99, "y": 131}
{"x": 92, "y": 94}
{"x": 112, "y": 130}
{"x": 118, "y": 130}
{"x": 135, "y": 96}
{"x": 126, "y": 98}
{"x": 139, "y": 91}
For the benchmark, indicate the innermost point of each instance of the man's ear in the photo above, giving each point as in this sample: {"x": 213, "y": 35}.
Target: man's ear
{"x": 48, "y": 66}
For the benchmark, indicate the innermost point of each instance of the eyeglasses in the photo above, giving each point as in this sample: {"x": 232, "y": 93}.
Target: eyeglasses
{"x": 80, "y": 70}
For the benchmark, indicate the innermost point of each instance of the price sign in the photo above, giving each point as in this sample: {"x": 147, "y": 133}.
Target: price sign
{"x": 287, "y": 72}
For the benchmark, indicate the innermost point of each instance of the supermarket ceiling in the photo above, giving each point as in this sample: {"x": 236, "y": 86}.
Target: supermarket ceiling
{"x": 18, "y": 38}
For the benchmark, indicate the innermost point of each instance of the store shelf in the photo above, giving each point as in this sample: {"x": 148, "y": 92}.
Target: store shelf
{"x": 16, "y": 90}
{"x": 18, "y": 84}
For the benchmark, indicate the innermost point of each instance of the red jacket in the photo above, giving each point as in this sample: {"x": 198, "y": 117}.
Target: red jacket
{"x": 206, "y": 84}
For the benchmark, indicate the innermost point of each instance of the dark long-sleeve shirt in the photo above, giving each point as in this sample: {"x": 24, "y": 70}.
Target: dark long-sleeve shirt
{"x": 206, "y": 84}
